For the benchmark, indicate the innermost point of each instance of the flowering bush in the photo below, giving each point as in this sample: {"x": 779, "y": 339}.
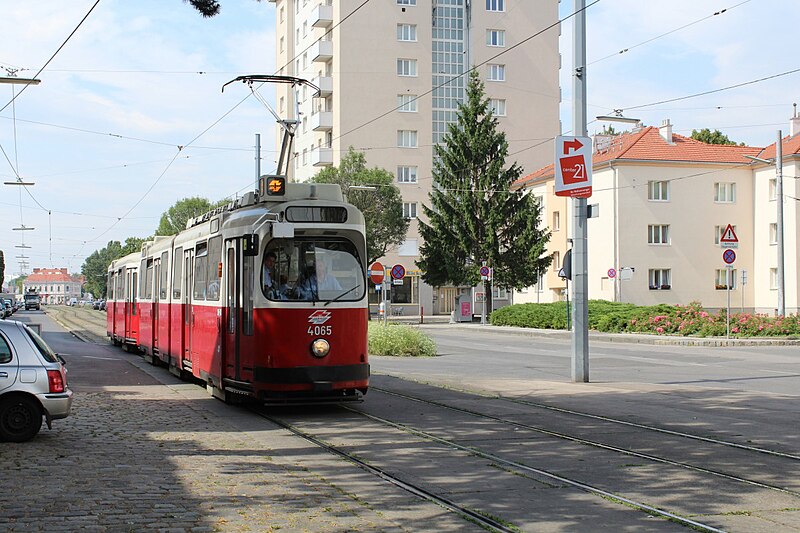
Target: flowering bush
{"x": 658, "y": 319}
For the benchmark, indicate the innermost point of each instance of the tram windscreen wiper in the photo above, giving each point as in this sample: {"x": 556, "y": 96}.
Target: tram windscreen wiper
{"x": 345, "y": 293}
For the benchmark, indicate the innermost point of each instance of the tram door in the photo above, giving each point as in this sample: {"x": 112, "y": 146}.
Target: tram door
{"x": 233, "y": 309}
{"x": 156, "y": 291}
{"x": 188, "y": 313}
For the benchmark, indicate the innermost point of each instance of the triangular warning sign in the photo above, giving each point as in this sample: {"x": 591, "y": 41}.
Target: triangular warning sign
{"x": 729, "y": 235}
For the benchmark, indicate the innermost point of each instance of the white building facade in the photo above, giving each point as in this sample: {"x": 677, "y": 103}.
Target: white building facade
{"x": 392, "y": 73}
{"x": 664, "y": 201}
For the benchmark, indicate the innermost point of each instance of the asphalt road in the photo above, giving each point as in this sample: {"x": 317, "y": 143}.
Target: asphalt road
{"x": 470, "y": 352}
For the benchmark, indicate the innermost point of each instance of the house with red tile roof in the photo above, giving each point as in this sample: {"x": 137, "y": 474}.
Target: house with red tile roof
{"x": 664, "y": 202}
{"x": 54, "y": 285}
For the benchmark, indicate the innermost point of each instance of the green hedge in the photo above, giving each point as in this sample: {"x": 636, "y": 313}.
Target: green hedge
{"x": 660, "y": 319}
{"x": 399, "y": 340}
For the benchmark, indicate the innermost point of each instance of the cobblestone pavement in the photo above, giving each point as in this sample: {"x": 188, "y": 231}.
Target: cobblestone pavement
{"x": 147, "y": 454}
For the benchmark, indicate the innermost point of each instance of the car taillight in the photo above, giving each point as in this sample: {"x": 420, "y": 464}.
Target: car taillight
{"x": 56, "y": 380}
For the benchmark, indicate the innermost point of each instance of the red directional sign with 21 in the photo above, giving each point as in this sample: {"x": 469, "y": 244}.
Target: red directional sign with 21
{"x": 573, "y": 166}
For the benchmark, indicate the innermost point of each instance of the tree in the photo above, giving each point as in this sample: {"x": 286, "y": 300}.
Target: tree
{"x": 174, "y": 219}
{"x": 474, "y": 217}
{"x": 382, "y": 208}
{"x": 2, "y": 269}
{"x": 716, "y": 137}
{"x": 207, "y": 8}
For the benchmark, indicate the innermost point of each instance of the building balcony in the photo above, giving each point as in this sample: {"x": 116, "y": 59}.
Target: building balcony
{"x": 325, "y": 84}
{"x": 322, "y": 51}
{"x": 322, "y": 16}
{"x": 322, "y": 157}
{"x": 322, "y": 121}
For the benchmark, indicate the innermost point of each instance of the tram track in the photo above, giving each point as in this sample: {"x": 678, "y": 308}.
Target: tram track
{"x": 484, "y": 519}
{"x": 81, "y": 324}
{"x": 601, "y": 445}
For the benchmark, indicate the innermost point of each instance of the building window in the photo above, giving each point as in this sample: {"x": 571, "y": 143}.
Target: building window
{"x": 719, "y": 230}
{"x": 498, "y": 107}
{"x": 406, "y": 67}
{"x": 406, "y": 2}
{"x": 659, "y": 279}
{"x": 658, "y": 191}
{"x": 282, "y": 104}
{"x": 406, "y": 138}
{"x": 282, "y": 14}
{"x": 497, "y": 72}
{"x": 495, "y": 37}
{"x": 721, "y": 278}
{"x": 773, "y": 189}
{"x": 305, "y": 156}
{"x": 495, "y": 5}
{"x": 556, "y": 261}
{"x": 282, "y": 44}
{"x": 409, "y": 209}
{"x": 407, "y": 174}
{"x": 556, "y": 221}
{"x": 773, "y": 279}
{"x": 658, "y": 234}
{"x": 407, "y": 103}
{"x": 725, "y": 193}
{"x": 406, "y": 32}
{"x": 409, "y": 248}
{"x": 773, "y": 233}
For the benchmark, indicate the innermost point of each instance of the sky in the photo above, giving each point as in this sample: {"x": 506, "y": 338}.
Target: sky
{"x": 130, "y": 117}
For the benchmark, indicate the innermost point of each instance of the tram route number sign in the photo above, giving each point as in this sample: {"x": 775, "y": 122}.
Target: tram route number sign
{"x": 573, "y": 166}
{"x": 376, "y": 273}
{"x": 398, "y": 272}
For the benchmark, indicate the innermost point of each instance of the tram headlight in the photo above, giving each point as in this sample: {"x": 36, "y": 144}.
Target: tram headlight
{"x": 320, "y": 348}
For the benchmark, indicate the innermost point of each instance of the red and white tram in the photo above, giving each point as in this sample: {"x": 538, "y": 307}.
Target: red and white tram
{"x": 265, "y": 297}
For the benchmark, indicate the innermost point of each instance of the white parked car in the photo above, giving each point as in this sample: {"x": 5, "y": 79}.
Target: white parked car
{"x": 33, "y": 383}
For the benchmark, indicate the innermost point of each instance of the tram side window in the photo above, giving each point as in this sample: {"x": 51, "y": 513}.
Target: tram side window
{"x": 214, "y": 255}
{"x": 142, "y": 278}
{"x": 177, "y": 274}
{"x": 200, "y": 271}
{"x": 148, "y": 281}
{"x": 120, "y": 292}
{"x": 110, "y": 285}
{"x": 162, "y": 293}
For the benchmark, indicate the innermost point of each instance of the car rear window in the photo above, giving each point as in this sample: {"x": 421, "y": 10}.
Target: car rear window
{"x": 5, "y": 351}
{"x": 48, "y": 354}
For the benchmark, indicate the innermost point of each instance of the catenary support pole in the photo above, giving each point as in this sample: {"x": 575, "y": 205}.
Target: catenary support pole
{"x": 580, "y": 264}
{"x": 258, "y": 158}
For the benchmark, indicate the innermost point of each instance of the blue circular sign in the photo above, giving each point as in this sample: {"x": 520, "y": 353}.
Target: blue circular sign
{"x": 398, "y": 272}
{"x": 729, "y": 256}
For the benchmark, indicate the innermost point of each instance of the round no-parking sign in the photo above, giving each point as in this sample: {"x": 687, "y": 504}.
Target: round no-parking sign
{"x": 729, "y": 256}
{"x": 612, "y": 273}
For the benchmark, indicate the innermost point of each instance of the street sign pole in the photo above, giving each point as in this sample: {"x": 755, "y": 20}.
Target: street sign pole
{"x": 580, "y": 285}
{"x": 728, "y": 281}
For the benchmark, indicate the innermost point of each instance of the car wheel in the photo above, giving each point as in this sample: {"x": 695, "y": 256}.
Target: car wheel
{"x": 20, "y": 419}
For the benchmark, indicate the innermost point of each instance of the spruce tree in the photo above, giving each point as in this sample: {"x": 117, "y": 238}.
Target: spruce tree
{"x": 474, "y": 217}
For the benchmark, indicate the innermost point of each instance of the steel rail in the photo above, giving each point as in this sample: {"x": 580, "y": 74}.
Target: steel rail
{"x": 596, "y": 444}
{"x": 543, "y": 473}
{"x": 468, "y": 514}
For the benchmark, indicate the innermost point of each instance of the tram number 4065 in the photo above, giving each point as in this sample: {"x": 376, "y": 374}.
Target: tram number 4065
{"x": 320, "y": 330}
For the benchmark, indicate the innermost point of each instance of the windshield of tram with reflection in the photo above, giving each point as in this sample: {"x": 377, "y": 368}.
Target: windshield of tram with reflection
{"x": 312, "y": 270}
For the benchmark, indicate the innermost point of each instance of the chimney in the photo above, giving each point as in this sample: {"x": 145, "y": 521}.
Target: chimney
{"x": 794, "y": 123}
{"x": 666, "y": 130}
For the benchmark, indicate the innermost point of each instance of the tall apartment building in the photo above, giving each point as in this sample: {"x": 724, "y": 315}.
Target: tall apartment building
{"x": 373, "y": 60}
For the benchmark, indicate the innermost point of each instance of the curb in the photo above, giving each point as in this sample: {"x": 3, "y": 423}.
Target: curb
{"x": 630, "y": 338}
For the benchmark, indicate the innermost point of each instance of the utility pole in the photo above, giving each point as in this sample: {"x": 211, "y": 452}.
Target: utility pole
{"x": 258, "y": 158}
{"x": 580, "y": 286}
{"x": 779, "y": 187}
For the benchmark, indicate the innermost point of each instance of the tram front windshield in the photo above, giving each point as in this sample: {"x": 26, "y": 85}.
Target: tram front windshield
{"x": 312, "y": 270}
